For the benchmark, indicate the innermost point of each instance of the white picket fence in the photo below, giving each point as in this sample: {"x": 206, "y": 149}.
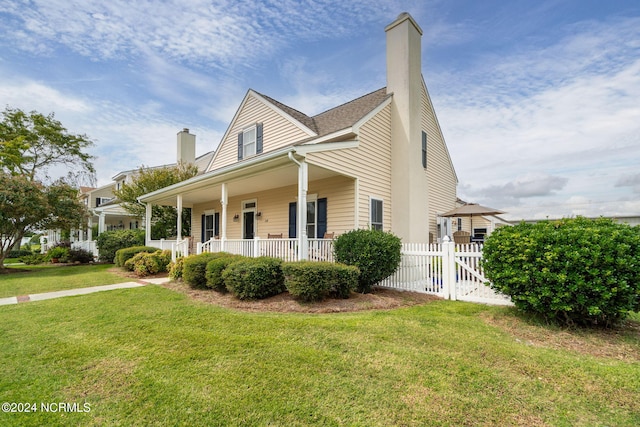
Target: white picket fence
{"x": 447, "y": 270}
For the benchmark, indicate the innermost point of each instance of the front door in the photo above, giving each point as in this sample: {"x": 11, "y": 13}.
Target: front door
{"x": 248, "y": 218}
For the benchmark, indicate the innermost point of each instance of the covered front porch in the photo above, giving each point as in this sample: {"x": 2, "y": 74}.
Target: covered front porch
{"x": 279, "y": 205}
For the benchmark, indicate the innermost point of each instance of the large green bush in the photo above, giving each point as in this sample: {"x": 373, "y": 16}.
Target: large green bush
{"x": 314, "y": 281}
{"x": 194, "y": 268}
{"x": 375, "y": 253}
{"x": 215, "y": 267}
{"x": 574, "y": 271}
{"x": 254, "y": 278}
{"x": 124, "y": 254}
{"x": 110, "y": 241}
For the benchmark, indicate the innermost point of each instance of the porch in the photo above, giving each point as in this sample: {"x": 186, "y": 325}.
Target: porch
{"x": 277, "y": 206}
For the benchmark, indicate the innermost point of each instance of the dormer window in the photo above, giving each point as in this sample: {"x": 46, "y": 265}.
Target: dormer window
{"x": 250, "y": 141}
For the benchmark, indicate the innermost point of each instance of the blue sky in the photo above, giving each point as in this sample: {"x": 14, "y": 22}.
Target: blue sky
{"x": 539, "y": 101}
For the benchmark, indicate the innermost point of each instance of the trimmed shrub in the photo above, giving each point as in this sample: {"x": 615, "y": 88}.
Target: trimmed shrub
{"x": 314, "y": 281}
{"x": 375, "y": 253}
{"x": 572, "y": 271}
{"x": 195, "y": 268}
{"x": 214, "y": 270}
{"x": 176, "y": 268}
{"x": 80, "y": 255}
{"x": 110, "y": 241}
{"x": 254, "y": 278}
{"x": 124, "y": 254}
{"x": 145, "y": 263}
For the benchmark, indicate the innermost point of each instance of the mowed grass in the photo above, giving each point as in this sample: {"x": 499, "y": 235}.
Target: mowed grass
{"x": 33, "y": 279}
{"x": 152, "y": 357}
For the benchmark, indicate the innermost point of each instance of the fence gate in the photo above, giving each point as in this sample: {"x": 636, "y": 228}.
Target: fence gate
{"x": 446, "y": 270}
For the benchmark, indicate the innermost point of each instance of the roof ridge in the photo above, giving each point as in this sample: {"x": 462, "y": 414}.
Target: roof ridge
{"x": 349, "y": 102}
{"x": 288, "y": 109}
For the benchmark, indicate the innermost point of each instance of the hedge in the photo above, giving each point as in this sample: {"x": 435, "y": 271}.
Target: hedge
{"x": 214, "y": 270}
{"x": 314, "y": 281}
{"x": 195, "y": 267}
{"x": 254, "y": 278}
{"x": 573, "y": 271}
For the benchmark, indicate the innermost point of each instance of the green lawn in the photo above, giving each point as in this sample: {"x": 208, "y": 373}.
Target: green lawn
{"x": 150, "y": 356}
{"x": 33, "y": 279}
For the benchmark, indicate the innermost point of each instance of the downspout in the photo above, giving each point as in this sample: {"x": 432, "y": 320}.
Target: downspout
{"x": 301, "y": 225}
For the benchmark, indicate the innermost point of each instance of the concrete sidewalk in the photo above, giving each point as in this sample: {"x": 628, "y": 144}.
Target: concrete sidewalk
{"x": 80, "y": 291}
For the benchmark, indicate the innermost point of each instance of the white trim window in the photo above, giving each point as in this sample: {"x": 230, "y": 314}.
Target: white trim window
{"x": 376, "y": 217}
{"x": 249, "y": 140}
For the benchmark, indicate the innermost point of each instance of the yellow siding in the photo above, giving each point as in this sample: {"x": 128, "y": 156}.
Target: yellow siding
{"x": 440, "y": 173}
{"x": 277, "y": 131}
{"x": 370, "y": 162}
{"x": 274, "y": 206}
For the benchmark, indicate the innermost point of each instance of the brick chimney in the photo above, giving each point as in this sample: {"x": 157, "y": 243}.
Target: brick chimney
{"x": 186, "y": 147}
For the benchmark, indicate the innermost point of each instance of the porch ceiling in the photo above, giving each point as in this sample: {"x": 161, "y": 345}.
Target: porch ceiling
{"x": 270, "y": 175}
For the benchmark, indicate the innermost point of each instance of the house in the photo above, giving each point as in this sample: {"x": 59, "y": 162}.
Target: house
{"x": 105, "y": 211}
{"x": 377, "y": 161}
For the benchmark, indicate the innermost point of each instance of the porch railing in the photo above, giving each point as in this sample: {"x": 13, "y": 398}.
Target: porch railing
{"x": 161, "y": 244}
{"x": 179, "y": 249}
{"x": 285, "y": 249}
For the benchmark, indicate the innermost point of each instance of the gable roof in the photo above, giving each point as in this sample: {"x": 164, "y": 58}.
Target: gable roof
{"x": 348, "y": 114}
{"x": 336, "y": 118}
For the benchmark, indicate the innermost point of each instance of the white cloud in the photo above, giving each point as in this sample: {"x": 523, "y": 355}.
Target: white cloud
{"x": 568, "y": 110}
{"x": 211, "y": 33}
{"x": 30, "y": 95}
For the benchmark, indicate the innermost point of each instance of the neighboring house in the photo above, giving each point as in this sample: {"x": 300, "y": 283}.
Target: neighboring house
{"x": 106, "y": 212}
{"x": 378, "y": 161}
{"x": 475, "y": 227}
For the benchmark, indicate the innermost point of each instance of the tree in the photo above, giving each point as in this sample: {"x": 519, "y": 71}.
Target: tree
{"x": 147, "y": 180}
{"x": 26, "y": 204}
{"x": 30, "y": 145}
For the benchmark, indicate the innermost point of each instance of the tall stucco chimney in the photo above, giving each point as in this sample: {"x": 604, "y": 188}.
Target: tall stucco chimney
{"x": 409, "y": 185}
{"x": 186, "y": 147}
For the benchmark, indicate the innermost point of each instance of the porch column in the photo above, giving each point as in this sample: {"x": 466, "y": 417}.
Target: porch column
{"x": 224, "y": 199}
{"x": 303, "y": 186}
{"x": 102, "y": 223}
{"x": 179, "y": 221}
{"x": 90, "y": 230}
{"x": 147, "y": 223}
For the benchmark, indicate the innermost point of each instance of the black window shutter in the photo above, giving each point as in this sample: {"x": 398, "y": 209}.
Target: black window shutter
{"x": 292, "y": 220}
{"x": 202, "y": 229}
{"x": 240, "y": 146}
{"x": 259, "y": 138}
{"x": 322, "y": 217}
{"x": 216, "y": 224}
{"x": 424, "y": 149}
